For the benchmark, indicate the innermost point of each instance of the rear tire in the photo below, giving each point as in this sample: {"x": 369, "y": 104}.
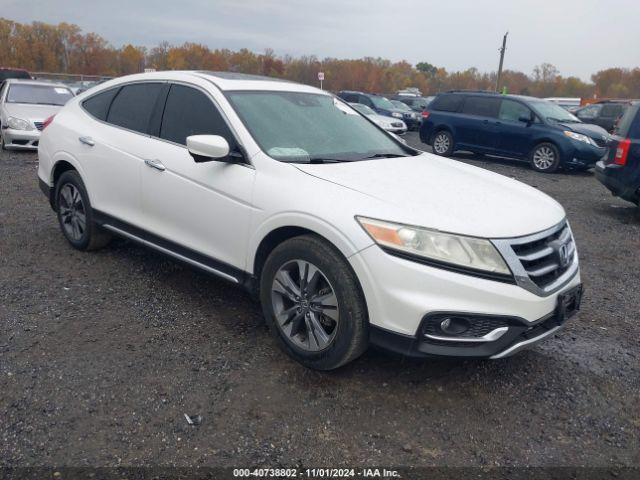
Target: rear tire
{"x": 442, "y": 143}
{"x": 75, "y": 215}
{"x": 313, "y": 304}
{"x": 545, "y": 158}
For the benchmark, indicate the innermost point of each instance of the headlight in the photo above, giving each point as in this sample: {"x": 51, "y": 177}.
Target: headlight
{"x": 469, "y": 252}
{"x": 18, "y": 124}
{"x": 579, "y": 137}
{"x": 396, "y": 114}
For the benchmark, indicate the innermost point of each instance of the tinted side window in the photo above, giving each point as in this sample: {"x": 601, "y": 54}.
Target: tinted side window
{"x": 349, "y": 97}
{"x": 133, "y": 106}
{"x": 612, "y": 110}
{"x": 98, "y": 105}
{"x": 629, "y": 124}
{"x": 446, "y": 103}
{"x": 190, "y": 112}
{"x": 512, "y": 111}
{"x": 481, "y": 106}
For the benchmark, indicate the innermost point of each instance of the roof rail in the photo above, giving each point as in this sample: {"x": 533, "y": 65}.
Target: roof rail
{"x": 472, "y": 91}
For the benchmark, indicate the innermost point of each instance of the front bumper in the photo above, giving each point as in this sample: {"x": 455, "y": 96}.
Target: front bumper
{"x": 21, "y": 139}
{"x": 402, "y": 295}
{"x": 514, "y": 335}
{"x": 581, "y": 155}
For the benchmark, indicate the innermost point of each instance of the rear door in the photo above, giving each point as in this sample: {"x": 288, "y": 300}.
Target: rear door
{"x": 477, "y": 123}
{"x": 203, "y": 207}
{"x": 514, "y": 135}
{"x": 114, "y": 146}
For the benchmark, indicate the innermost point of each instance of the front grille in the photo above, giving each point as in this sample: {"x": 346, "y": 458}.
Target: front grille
{"x": 39, "y": 125}
{"x": 546, "y": 259}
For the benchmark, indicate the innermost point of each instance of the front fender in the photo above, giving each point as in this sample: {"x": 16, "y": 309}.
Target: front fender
{"x": 348, "y": 245}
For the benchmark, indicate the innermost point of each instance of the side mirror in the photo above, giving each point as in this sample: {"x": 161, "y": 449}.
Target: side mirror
{"x": 205, "y": 148}
{"x": 526, "y": 119}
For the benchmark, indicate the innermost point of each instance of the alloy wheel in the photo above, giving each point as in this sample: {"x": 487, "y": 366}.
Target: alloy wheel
{"x": 305, "y": 305}
{"x": 544, "y": 157}
{"x": 72, "y": 212}
{"x": 441, "y": 143}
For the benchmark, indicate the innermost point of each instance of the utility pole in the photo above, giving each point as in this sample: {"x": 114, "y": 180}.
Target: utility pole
{"x": 502, "y": 50}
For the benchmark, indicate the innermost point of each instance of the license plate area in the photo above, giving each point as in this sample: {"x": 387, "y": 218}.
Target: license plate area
{"x": 569, "y": 304}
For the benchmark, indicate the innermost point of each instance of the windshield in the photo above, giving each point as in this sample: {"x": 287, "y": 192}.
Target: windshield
{"x": 363, "y": 109}
{"x": 310, "y": 127}
{"x": 382, "y": 102}
{"x": 400, "y": 106}
{"x": 38, "y": 94}
{"x": 553, "y": 112}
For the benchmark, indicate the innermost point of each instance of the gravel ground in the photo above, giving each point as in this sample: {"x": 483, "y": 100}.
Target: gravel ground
{"x": 101, "y": 355}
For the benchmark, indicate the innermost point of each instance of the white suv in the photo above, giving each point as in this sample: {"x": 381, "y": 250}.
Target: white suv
{"x": 349, "y": 236}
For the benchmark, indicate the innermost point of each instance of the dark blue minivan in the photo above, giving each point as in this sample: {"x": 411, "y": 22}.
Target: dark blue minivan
{"x": 527, "y": 128}
{"x": 620, "y": 170}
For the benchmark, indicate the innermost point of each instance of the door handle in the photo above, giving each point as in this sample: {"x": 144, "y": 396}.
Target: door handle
{"x": 87, "y": 141}
{"x": 157, "y": 164}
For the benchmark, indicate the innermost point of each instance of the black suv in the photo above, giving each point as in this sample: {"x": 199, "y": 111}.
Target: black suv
{"x": 513, "y": 126}
{"x": 620, "y": 171}
{"x": 605, "y": 113}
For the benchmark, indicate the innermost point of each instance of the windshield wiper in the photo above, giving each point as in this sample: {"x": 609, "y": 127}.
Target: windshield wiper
{"x": 565, "y": 120}
{"x": 384, "y": 155}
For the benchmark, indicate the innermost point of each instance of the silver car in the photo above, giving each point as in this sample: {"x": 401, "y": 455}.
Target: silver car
{"x": 390, "y": 124}
{"x": 24, "y": 107}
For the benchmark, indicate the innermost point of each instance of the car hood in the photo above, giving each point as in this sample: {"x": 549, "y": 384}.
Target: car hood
{"x": 25, "y": 111}
{"x": 594, "y": 131}
{"x": 443, "y": 194}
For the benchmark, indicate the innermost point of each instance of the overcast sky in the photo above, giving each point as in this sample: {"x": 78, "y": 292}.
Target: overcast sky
{"x": 578, "y": 36}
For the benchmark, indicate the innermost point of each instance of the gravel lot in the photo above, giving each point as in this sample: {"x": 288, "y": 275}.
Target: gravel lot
{"x": 101, "y": 355}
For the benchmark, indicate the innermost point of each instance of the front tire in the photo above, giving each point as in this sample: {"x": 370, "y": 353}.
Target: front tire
{"x": 545, "y": 158}
{"x": 442, "y": 143}
{"x": 313, "y": 304}
{"x": 75, "y": 215}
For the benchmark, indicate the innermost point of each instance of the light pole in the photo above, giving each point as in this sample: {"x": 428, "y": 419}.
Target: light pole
{"x": 502, "y": 50}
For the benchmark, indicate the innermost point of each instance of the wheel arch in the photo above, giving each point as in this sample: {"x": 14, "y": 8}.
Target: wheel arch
{"x": 64, "y": 163}
{"x": 283, "y": 227}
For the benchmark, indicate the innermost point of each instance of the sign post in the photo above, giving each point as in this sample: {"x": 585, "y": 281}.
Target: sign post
{"x": 321, "y": 78}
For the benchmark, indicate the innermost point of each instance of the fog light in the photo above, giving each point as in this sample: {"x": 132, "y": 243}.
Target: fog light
{"x": 454, "y": 325}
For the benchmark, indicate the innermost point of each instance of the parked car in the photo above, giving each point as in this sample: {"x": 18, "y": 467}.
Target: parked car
{"x": 348, "y": 236}
{"x": 417, "y": 104}
{"x": 605, "y": 113}
{"x": 620, "y": 170}
{"x": 389, "y": 124}
{"x": 24, "y": 107}
{"x": 411, "y": 118}
{"x": 513, "y": 126}
{"x": 379, "y": 104}
{"x": 7, "y": 73}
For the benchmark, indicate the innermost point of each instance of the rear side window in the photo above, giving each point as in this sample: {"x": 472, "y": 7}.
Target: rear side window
{"x": 446, "y": 103}
{"x": 481, "y": 106}
{"x": 133, "y": 105}
{"x": 512, "y": 111}
{"x": 190, "y": 112}
{"x": 349, "y": 97}
{"x": 98, "y": 105}
{"x": 629, "y": 124}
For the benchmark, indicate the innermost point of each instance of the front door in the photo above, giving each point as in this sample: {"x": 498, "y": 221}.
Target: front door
{"x": 203, "y": 207}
